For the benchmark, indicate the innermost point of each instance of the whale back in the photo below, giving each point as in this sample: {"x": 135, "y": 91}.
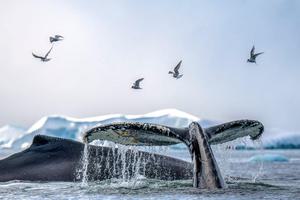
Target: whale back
{"x": 57, "y": 159}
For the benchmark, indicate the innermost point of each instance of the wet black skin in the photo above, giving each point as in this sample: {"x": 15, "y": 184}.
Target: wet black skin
{"x": 56, "y": 159}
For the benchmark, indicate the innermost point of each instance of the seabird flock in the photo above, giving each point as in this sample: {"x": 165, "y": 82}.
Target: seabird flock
{"x": 136, "y": 85}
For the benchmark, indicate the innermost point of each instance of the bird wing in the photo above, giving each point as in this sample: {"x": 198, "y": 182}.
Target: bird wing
{"x": 36, "y": 56}
{"x": 58, "y": 36}
{"x": 177, "y": 67}
{"x": 48, "y": 52}
{"x": 51, "y": 39}
{"x": 252, "y": 51}
{"x": 255, "y": 55}
{"x": 137, "y": 82}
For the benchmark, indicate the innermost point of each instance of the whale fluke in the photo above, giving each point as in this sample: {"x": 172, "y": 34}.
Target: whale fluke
{"x": 135, "y": 133}
{"x": 147, "y": 134}
{"x": 232, "y": 130}
{"x": 198, "y": 140}
{"x": 206, "y": 171}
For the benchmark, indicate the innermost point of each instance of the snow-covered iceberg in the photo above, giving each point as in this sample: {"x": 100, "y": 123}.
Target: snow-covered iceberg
{"x": 283, "y": 140}
{"x": 268, "y": 158}
{"x": 68, "y": 127}
{"x": 274, "y": 139}
{"x": 9, "y": 134}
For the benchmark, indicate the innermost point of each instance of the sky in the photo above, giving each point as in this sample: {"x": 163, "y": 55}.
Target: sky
{"x": 110, "y": 44}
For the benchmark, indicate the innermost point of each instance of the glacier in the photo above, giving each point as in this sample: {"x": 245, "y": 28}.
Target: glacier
{"x": 16, "y": 138}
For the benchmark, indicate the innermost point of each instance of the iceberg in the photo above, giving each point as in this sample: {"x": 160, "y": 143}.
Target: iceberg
{"x": 9, "y": 134}
{"x": 12, "y": 137}
{"x": 274, "y": 139}
{"x": 268, "y": 158}
{"x": 283, "y": 141}
{"x": 72, "y": 128}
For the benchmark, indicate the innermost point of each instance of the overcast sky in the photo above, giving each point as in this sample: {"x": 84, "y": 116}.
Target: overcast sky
{"x": 109, "y": 44}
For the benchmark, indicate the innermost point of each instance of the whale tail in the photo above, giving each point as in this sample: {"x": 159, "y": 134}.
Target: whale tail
{"x": 198, "y": 140}
{"x": 206, "y": 173}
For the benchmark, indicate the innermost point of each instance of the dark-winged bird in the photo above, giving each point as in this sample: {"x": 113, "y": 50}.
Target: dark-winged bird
{"x": 136, "y": 84}
{"x": 253, "y": 55}
{"x": 176, "y": 71}
{"x": 56, "y": 38}
{"x": 45, "y": 58}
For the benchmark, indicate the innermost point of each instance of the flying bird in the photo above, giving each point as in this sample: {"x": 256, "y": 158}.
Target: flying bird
{"x": 136, "y": 84}
{"x": 56, "y": 38}
{"x": 253, "y": 55}
{"x": 45, "y": 58}
{"x": 176, "y": 71}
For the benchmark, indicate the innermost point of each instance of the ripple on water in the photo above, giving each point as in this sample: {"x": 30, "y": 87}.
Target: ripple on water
{"x": 140, "y": 189}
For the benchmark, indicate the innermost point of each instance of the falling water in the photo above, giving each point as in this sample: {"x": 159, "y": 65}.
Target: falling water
{"x": 259, "y": 145}
{"x": 85, "y": 163}
{"x": 124, "y": 163}
{"x": 223, "y": 153}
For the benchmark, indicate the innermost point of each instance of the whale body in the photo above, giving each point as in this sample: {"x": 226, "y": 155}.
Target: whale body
{"x": 57, "y": 159}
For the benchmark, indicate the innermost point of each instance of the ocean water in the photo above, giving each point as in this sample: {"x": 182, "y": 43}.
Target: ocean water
{"x": 246, "y": 177}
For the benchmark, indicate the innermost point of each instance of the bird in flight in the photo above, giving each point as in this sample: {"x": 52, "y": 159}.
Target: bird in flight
{"x": 175, "y": 72}
{"x": 45, "y": 58}
{"x": 253, "y": 55}
{"x": 136, "y": 84}
{"x": 56, "y": 38}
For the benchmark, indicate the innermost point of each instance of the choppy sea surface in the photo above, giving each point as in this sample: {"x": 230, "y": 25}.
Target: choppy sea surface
{"x": 256, "y": 174}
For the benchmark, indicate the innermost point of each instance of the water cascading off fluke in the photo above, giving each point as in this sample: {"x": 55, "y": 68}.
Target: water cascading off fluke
{"x": 198, "y": 141}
